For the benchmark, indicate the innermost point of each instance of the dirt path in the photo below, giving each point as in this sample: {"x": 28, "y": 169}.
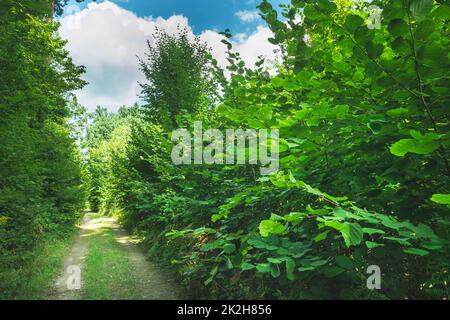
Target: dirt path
{"x": 150, "y": 281}
{"x": 76, "y": 257}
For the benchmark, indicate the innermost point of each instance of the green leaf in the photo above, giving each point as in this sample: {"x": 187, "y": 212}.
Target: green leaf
{"x": 401, "y": 47}
{"x": 278, "y": 81}
{"x": 311, "y": 13}
{"x": 341, "y": 213}
{"x": 327, "y": 5}
{"x": 442, "y": 12}
{"x": 306, "y": 268}
{"x": 420, "y": 9}
{"x": 373, "y": 231}
{"x": 229, "y": 248}
{"x": 352, "y": 22}
{"x": 267, "y": 227}
{"x": 404, "y": 146}
{"x": 247, "y": 266}
{"x": 332, "y": 272}
{"x": 260, "y": 244}
{"x": 335, "y": 225}
{"x": 398, "y": 27}
{"x": 363, "y": 35}
{"x": 423, "y": 31}
{"x": 290, "y": 266}
{"x": 294, "y": 217}
{"x": 353, "y": 234}
{"x": 275, "y": 270}
{"x": 344, "y": 262}
{"x": 212, "y": 275}
{"x": 441, "y": 198}
{"x": 402, "y": 241}
{"x": 358, "y": 76}
{"x": 208, "y": 281}
{"x": 276, "y": 260}
{"x": 397, "y": 112}
{"x": 321, "y": 236}
{"x": 264, "y": 267}
{"x": 432, "y": 54}
{"x": 416, "y": 251}
{"x": 372, "y": 245}
{"x": 216, "y": 244}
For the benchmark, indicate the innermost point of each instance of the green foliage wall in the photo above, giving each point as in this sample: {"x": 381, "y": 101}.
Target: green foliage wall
{"x": 363, "y": 117}
{"x": 41, "y": 196}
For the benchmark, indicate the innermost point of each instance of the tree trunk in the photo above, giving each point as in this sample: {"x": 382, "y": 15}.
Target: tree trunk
{"x": 52, "y": 9}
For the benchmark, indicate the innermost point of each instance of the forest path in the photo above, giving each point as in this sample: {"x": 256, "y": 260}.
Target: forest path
{"x": 112, "y": 267}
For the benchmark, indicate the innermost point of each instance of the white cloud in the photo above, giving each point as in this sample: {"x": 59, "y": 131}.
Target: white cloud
{"x": 255, "y": 45}
{"x": 247, "y": 15}
{"x": 107, "y": 40}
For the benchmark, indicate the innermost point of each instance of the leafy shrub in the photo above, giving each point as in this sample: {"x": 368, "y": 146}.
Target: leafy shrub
{"x": 364, "y": 126}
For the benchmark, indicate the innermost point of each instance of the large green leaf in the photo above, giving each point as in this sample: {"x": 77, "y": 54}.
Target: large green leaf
{"x": 213, "y": 245}
{"x": 421, "y": 144}
{"x": 441, "y": 198}
{"x": 353, "y": 234}
{"x": 398, "y": 27}
{"x": 416, "y": 251}
{"x": 229, "y": 248}
{"x": 352, "y": 22}
{"x": 264, "y": 267}
{"x": 268, "y": 227}
{"x": 420, "y": 9}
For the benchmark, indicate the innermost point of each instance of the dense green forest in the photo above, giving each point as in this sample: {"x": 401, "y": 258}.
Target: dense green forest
{"x": 41, "y": 193}
{"x": 363, "y": 120}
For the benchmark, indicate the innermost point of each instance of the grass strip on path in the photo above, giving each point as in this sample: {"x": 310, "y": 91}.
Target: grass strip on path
{"x": 108, "y": 274}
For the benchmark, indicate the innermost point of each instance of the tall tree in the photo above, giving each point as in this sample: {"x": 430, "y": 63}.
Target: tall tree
{"x": 178, "y": 71}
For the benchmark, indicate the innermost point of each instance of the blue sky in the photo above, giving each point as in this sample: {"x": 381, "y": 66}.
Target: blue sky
{"x": 108, "y": 36}
{"x": 202, "y": 14}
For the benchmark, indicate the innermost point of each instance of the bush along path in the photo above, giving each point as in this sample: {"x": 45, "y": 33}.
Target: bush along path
{"x": 111, "y": 267}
